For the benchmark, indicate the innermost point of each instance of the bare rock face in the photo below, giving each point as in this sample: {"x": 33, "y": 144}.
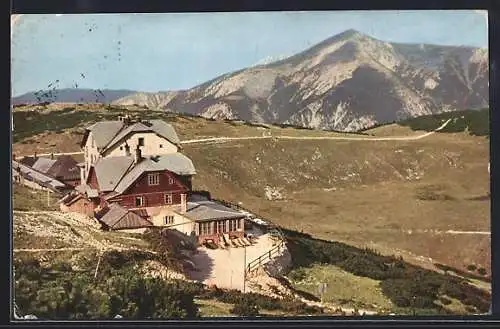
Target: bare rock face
{"x": 273, "y": 193}
{"x": 348, "y": 82}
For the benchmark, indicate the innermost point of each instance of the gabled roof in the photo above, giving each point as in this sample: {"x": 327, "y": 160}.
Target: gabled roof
{"x": 109, "y": 171}
{"x": 176, "y": 162}
{"x": 165, "y": 130}
{"x": 38, "y": 177}
{"x": 103, "y": 132}
{"x": 43, "y": 165}
{"x": 159, "y": 127}
{"x": 65, "y": 168}
{"x": 107, "y": 133}
{"x": 87, "y": 190}
{"x": 209, "y": 210}
{"x": 117, "y": 218}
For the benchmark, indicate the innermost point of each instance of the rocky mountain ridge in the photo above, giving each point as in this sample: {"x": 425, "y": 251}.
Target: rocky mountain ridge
{"x": 348, "y": 82}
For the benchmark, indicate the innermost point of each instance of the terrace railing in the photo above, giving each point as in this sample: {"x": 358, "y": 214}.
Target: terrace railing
{"x": 265, "y": 257}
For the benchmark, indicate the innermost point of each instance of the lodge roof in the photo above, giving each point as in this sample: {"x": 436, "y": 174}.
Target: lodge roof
{"x": 65, "y": 168}
{"x": 87, "y": 190}
{"x": 159, "y": 127}
{"x": 118, "y": 173}
{"x": 117, "y": 218}
{"x": 209, "y": 210}
{"x": 108, "y": 133}
{"x": 43, "y": 164}
{"x": 38, "y": 177}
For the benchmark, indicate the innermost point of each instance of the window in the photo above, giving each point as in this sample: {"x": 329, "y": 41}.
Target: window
{"x": 121, "y": 148}
{"x": 170, "y": 180}
{"x": 221, "y": 226}
{"x": 139, "y": 201}
{"x": 233, "y": 225}
{"x": 169, "y": 220}
{"x": 161, "y": 146}
{"x": 237, "y": 224}
{"x": 205, "y": 228}
{"x": 154, "y": 179}
{"x": 168, "y": 198}
{"x": 141, "y": 141}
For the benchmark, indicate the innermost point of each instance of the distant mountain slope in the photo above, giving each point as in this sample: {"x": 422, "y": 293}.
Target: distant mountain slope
{"x": 71, "y": 95}
{"x": 348, "y": 82}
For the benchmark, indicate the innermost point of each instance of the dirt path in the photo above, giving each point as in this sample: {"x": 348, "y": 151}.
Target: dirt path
{"x": 80, "y": 249}
{"x": 55, "y": 154}
{"x": 394, "y": 138}
{"x": 467, "y": 232}
{"x": 227, "y": 139}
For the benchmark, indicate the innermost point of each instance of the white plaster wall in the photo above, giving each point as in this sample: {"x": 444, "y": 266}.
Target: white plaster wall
{"x": 151, "y": 146}
{"x": 181, "y": 223}
{"x": 90, "y": 150}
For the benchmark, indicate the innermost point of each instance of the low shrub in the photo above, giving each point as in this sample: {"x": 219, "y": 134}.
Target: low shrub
{"x": 245, "y": 307}
{"x": 404, "y": 284}
{"x": 482, "y": 271}
{"x": 471, "y": 267}
{"x": 297, "y": 275}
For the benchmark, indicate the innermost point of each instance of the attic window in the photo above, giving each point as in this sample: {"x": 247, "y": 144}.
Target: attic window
{"x": 121, "y": 148}
{"x": 161, "y": 146}
{"x": 154, "y": 179}
{"x": 170, "y": 180}
{"x": 141, "y": 141}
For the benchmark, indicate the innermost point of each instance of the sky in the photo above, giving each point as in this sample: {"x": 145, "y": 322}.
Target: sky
{"x": 158, "y": 52}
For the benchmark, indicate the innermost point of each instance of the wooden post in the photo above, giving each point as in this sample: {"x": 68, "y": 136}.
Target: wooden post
{"x": 97, "y": 267}
{"x": 48, "y": 197}
{"x": 244, "y": 269}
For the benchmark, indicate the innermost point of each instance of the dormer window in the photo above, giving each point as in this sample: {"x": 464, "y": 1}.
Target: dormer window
{"x": 140, "y": 141}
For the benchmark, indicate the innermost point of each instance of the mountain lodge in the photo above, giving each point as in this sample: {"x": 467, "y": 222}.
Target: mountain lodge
{"x": 148, "y": 187}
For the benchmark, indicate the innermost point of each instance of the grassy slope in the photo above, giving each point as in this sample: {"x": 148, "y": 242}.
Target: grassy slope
{"x": 343, "y": 288}
{"x": 361, "y": 193}
{"x": 27, "y": 199}
{"x": 357, "y": 192}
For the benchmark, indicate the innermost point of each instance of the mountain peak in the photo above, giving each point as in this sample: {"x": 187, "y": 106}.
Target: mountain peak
{"x": 349, "y": 33}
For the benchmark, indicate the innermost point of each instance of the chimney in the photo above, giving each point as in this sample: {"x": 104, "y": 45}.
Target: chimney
{"x": 82, "y": 175}
{"x": 127, "y": 150}
{"x": 183, "y": 203}
{"x": 138, "y": 155}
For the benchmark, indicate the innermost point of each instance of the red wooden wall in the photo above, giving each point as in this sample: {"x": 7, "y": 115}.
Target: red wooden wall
{"x": 141, "y": 184}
